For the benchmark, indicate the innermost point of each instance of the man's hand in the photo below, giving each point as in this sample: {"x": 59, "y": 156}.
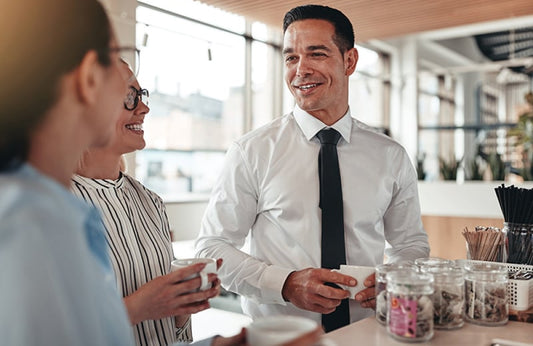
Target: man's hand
{"x": 367, "y": 296}
{"x": 306, "y": 289}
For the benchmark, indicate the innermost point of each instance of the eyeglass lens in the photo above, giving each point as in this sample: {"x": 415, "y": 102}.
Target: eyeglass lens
{"x": 132, "y": 98}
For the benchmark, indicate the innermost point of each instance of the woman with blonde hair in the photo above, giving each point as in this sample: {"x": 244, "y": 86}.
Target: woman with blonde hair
{"x": 138, "y": 233}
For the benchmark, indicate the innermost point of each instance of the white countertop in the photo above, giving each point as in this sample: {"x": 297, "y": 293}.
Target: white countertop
{"x": 213, "y": 322}
{"x": 468, "y": 199}
{"x": 369, "y": 332}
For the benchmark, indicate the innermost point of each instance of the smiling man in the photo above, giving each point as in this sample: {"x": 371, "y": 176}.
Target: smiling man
{"x": 314, "y": 189}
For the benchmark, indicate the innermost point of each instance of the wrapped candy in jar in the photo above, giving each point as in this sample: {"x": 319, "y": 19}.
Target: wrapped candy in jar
{"x": 486, "y": 300}
{"x": 410, "y": 307}
{"x": 381, "y": 286}
{"x": 448, "y": 296}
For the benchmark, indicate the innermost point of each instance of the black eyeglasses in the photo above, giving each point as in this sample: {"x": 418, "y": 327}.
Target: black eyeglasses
{"x": 134, "y": 96}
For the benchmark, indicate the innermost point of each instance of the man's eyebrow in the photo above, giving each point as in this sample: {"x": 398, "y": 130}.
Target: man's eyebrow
{"x": 308, "y": 48}
{"x": 318, "y": 47}
{"x": 287, "y": 51}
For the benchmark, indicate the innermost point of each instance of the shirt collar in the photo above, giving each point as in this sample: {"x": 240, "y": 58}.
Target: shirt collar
{"x": 100, "y": 184}
{"x": 311, "y": 125}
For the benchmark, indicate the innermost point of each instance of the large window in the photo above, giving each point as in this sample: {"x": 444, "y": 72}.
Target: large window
{"x": 464, "y": 125}
{"x": 369, "y": 89}
{"x": 208, "y": 83}
{"x": 439, "y": 139}
{"x": 212, "y": 77}
{"x": 265, "y": 77}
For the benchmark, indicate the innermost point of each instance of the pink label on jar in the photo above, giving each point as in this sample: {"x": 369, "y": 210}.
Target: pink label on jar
{"x": 402, "y": 320}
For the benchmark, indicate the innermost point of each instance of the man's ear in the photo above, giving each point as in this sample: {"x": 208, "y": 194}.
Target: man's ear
{"x": 88, "y": 78}
{"x": 350, "y": 60}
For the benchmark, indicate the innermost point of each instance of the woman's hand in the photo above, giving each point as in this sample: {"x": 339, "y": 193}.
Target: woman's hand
{"x": 169, "y": 295}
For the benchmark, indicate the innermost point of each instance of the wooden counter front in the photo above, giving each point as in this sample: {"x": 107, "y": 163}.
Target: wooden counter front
{"x": 445, "y": 233}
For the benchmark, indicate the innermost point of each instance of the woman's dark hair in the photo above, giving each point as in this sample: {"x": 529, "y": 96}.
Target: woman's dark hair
{"x": 41, "y": 41}
{"x": 344, "y": 36}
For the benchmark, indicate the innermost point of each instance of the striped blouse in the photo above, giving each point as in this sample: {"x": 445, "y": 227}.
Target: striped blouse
{"x": 138, "y": 235}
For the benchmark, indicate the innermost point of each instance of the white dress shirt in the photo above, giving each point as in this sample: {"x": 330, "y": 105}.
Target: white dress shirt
{"x": 269, "y": 190}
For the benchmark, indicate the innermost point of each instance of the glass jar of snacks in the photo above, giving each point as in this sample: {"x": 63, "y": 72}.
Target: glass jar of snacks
{"x": 410, "y": 307}
{"x": 486, "y": 300}
{"x": 448, "y": 296}
{"x": 381, "y": 286}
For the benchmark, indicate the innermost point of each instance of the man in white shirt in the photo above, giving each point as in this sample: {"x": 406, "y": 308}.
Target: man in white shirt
{"x": 269, "y": 187}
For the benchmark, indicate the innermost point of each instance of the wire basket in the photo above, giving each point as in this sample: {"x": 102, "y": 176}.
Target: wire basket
{"x": 520, "y": 292}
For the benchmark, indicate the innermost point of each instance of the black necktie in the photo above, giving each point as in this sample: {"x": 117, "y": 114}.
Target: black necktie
{"x": 333, "y": 251}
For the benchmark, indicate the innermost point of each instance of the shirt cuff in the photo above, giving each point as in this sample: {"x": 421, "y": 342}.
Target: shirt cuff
{"x": 272, "y": 282}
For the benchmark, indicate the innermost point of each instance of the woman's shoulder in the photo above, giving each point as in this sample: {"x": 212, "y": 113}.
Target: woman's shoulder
{"x": 132, "y": 183}
{"x": 38, "y": 206}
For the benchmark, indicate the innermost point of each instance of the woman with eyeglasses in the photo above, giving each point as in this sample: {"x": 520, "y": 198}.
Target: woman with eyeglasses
{"x": 138, "y": 234}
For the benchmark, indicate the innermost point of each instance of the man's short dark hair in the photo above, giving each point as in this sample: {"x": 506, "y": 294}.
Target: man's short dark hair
{"x": 41, "y": 41}
{"x": 344, "y": 35}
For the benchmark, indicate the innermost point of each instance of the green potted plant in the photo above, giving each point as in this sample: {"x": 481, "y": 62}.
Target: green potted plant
{"x": 475, "y": 170}
{"x": 448, "y": 170}
{"x": 497, "y": 166}
{"x": 420, "y": 166}
{"x": 523, "y": 131}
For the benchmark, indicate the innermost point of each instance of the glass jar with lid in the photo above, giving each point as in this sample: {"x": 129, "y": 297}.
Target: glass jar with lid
{"x": 448, "y": 296}
{"x": 486, "y": 299}
{"x": 381, "y": 286}
{"x": 410, "y": 306}
{"x": 431, "y": 261}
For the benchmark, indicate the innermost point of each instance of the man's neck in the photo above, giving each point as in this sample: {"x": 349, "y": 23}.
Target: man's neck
{"x": 328, "y": 118}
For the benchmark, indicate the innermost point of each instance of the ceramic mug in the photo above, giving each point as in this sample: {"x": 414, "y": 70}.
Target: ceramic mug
{"x": 275, "y": 330}
{"x": 210, "y": 267}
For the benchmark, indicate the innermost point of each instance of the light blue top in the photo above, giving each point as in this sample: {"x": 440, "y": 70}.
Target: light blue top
{"x": 56, "y": 284}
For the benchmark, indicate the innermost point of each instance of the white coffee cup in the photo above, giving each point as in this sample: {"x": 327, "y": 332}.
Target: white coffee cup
{"x": 210, "y": 267}
{"x": 360, "y": 273}
{"x": 275, "y": 330}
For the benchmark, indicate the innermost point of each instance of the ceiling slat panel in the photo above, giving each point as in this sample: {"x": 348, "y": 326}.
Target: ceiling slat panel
{"x": 388, "y": 18}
